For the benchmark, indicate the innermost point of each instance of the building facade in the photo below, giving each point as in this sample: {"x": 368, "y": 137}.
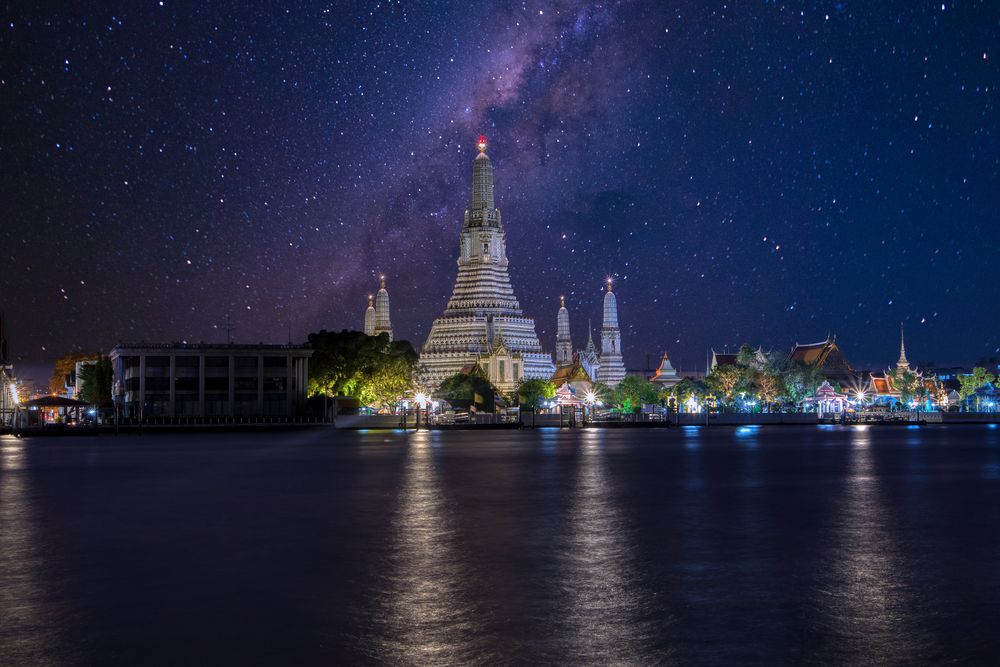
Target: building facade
{"x": 203, "y": 380}
{"x": 483, "y": 322}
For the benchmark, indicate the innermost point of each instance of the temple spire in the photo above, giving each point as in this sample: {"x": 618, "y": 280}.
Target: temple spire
{"x": 383, "y": 323}
{"x": 482, "y": 179}
{"x": 564, "y": 343}
{"x": 370, "y": 317}
{"x": 902, "y": 364}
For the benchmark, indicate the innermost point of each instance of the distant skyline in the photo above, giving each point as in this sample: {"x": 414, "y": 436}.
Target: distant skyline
{"x": 763, "y": 174}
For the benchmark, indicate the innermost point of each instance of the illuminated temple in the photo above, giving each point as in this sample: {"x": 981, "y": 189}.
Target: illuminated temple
{"x": 483, "y": 324}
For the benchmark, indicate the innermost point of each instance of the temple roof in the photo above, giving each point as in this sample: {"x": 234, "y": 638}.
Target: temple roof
{"x": 825, "y": 355}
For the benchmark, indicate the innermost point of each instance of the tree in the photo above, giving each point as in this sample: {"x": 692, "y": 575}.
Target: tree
{"x": 94, "y": 382}
{"x": 801, "y": 380}
{"x": 372, "y": 369}
{"x": 771, "y": 385}
{"x": 530, "y": 393}
{"x": 462, "y": 389}
{"x": 723, "y": 381}
{"x": 906, "y": 383}
{"x": 65, "y": 366}
{"x": 632, "y": 392}
{"x": 979, "y": 377}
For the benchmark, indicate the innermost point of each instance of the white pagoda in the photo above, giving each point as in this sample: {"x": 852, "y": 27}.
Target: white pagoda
{"x": 612, "y": 368}
{"x": 483, "y": 323}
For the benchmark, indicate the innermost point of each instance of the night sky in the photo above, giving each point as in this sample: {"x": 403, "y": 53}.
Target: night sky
{"x": 755, "y": 171}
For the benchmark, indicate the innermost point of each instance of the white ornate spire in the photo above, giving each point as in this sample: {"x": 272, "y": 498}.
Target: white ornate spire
{"x": 383, "y": 324}
{"x": 370, "y": 317}
{"x": 612, "y": 368}
{"x": 564, "y": 344}
{"x": 902, "y": 364}
{"x": 610, "y": 308}
{"x": 482, "y": 211}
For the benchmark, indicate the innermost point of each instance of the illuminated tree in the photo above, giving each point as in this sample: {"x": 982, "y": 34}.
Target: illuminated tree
{"x": 632, "y": 392}
{"x": 771, "y": 386}
{"x": 372, "y": 369}
{"x": 530, "y": 393}
{"x": 979, "y": 377}
{"x": 724, "y": 380}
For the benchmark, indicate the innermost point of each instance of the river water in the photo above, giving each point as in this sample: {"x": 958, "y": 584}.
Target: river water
{"x": 690, "y": 546}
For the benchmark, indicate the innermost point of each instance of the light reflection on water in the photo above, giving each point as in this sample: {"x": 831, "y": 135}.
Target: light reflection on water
{"x": 606, "y": 606}
{"x": 700, "y": 546}
{"x": 425, "y": 617}
{"x": 867, "y": 594}
{"x": 28, "y": 623}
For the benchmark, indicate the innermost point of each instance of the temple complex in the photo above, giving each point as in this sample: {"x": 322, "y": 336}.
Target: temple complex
{"x": 483, "y": 322}
{"x": 884, "y": 387}
{"x": 612, "y": 368}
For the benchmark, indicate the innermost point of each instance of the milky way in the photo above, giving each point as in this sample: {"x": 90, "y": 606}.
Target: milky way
{"x": 763, "y": 172}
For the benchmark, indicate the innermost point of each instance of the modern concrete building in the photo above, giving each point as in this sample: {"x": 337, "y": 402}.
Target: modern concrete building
{"x": 206, "y": 380}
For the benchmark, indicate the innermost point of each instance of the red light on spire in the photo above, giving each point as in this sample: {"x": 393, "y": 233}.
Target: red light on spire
{"x": 481, "y": 144}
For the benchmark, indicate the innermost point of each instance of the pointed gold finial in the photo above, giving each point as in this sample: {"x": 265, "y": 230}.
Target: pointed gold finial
{"x": 381, "y": 281}
{"x": 562, "y": 301}
{"x": 609, "y": 284}
{"x": 370, "y": 297}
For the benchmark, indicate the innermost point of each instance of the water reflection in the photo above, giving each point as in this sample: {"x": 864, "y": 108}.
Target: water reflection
{"x": 28, "y": 625}
{"x": 868, "y": 597}
{"x": 607, "y": 611}
{"x": 426, "y": 618}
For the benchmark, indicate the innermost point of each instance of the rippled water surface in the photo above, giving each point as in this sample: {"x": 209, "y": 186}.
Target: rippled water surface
{"x": 724, "y": 546}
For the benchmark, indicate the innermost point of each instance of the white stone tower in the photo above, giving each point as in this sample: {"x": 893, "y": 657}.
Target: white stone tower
{"x": 382, "y": 322}
{"x": 370, "y": 317}
{"x": 564, "y": 345}
{"x": 612, "y": 368}
{"x": 483, "y": 303}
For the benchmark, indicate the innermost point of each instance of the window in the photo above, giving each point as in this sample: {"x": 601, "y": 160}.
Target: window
{"x": 246, "y": 384}
{"x": 503, "y": 368}
{"x": 186, "y": 362}
{"x": 186, "y": 384}
{"x": 216, "y": 362}
{"x": 246, "y": 362}
{"x": 216, "y": 384}
{"x": 274, "y": 362}
{"x": 486, "y": 248}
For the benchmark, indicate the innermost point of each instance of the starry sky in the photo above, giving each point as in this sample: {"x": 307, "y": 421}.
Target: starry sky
{"x": 757, "y": 171}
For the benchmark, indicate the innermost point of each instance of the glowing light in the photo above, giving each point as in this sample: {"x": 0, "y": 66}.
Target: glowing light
{"x": 421, "y": 398}
{"x": 590, "y": 397}
{"x": 481, "y": 144}
{"x": 13, "y": 393}
{"x": 860, "y": 396}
